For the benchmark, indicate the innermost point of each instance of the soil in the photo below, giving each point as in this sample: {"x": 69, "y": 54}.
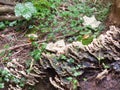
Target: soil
{"x": 110, "y": 82}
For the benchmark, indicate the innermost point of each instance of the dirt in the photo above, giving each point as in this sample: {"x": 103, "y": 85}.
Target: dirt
{"x": 115, "y": 13}
{"x": 110, "y": 82}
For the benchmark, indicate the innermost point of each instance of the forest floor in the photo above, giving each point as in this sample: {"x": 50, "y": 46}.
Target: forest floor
{"x": 16, "y": 46}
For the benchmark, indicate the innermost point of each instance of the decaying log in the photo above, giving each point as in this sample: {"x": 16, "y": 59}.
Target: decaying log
{"x": 7, "y": 13}
{"x": 105, "y": 46}
{"x": 9, "y": 18}
{"x": 8, "y": 2}
{"x": 5, "y": 8}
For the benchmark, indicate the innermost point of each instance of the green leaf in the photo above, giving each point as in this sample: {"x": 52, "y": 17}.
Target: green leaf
{"x": 4, "y": 72}
{"x": 1, "y": 85}
{"x": 79, "y": 38}
{"x": 13, "y": 23}
{"x": 1, "y": 79}
{"x": 77, "y": 73}
{"x": 2, "y": 25}
{"x": 87, "y": 41}
{"x": 70, "y": 61}
{"x": 19, "y": 9}
{"x": 36, "y": 54}
{"x": 63, "y": 57}
{"x": 26, "y": 10}
{"x": 69, "y": 78}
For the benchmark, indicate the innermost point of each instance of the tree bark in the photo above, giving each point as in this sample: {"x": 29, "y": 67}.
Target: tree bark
{"x": 8, "y": 2}
{"x": 115, "y": 13}
{"x": 9, "y": 18}
{"x": 5, "y": 9}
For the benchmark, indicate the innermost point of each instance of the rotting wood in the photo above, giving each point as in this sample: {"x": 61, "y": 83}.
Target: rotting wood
{"x": 9, "y": 18}
{"x": 104, "y": 44}
{"x": 7, "y": 10}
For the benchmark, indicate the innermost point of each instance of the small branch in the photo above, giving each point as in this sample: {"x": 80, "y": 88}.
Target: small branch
{"x": 7, "y": 2}
{"x": 5, "y": 8}
{"x": 27, "y": 44}
{"x": 9, "y": 18}
{"x": 17, "y": 46}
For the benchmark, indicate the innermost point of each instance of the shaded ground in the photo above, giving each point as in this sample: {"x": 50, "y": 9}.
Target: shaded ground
{"x": 110, "y": 82}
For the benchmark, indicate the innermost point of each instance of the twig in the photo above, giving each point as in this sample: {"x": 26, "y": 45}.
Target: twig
{"x": 31, "y": 65}
{"x": 27, "y": 44}
{"x": 9, "y": 18}
{"x": 5, "y": 8}
{"x": 17, "y": 46}
{"x": 7, "y": 2}
{"x": 17, "y": 52}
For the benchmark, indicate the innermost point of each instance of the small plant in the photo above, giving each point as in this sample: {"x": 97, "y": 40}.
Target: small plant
{"x": 62, "y": 57}
{"x": 6, "y": 76}
{"x": 2, "y": 25}
{"x": 36, "y": 53}
{"x": 1, "y": 85}
{"x": 84, "y": 79}
{"x": 43, "y": 7}
{"x": 105, "y": 66}
{"x": 74, "y": 82}
{"x": 26, "y": 10}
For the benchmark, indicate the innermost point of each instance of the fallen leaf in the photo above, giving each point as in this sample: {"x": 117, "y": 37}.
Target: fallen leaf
{"x": 91, "y": 21}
